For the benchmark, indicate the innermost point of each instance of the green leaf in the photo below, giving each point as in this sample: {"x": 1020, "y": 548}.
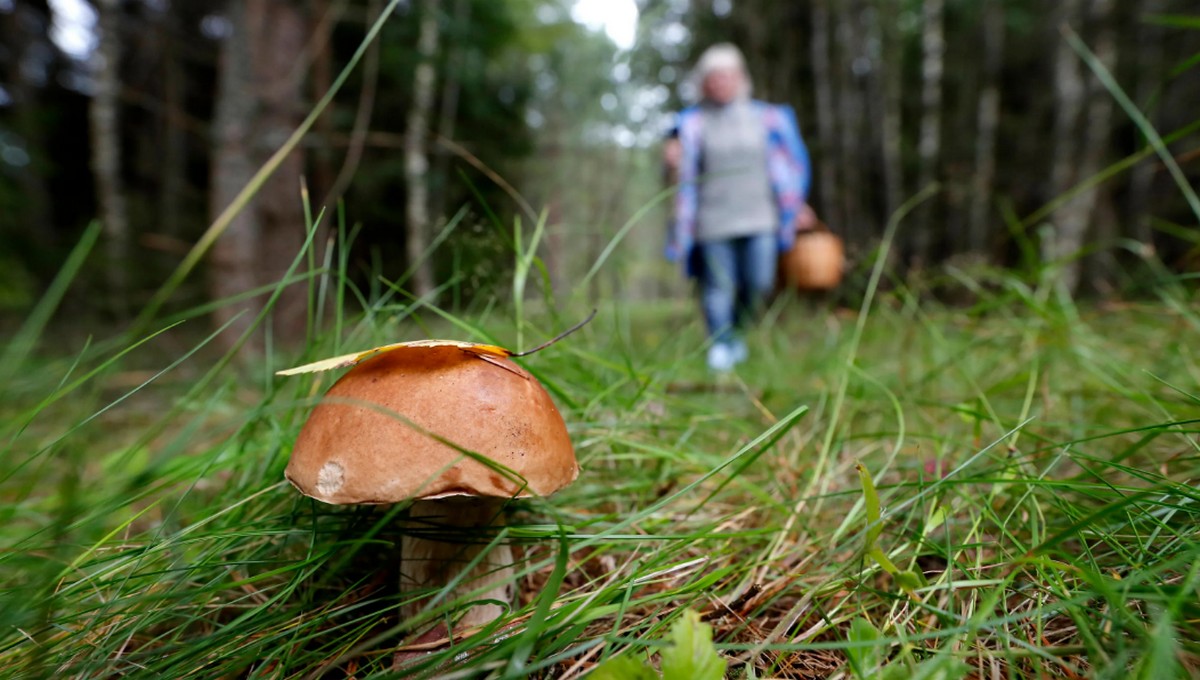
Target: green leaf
{"x": 910, "y": 580}
{"x": 896, "y": 671}
{"x": 936, "y": 519}
{"x": 940, "y": 667}
{"x": 864, "y": 659}
{"x": 871, "y": 498}
{"x": 1174, "y": 20}
{"x": 622, "y": 668}
{"x": 692, "y": 655}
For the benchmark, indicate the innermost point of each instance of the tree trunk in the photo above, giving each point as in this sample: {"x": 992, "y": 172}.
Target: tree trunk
{"x": 886, "y": 78}
{"x": 757, "y": 26}
{"x": 258, "y": 96}
{"x": 929, "y": 140}
{"x": 281, "y": 31}
{"x": 362, "y": 116}
{"x": 416, "y": 154}
{"x": 1092, "y": 155}
{"x": 104, "y": 114}
{"x": 231, "y": 269}
{"x": 987, "y": 121}
{"x": 850, "y": 122}
{"x": 322, "y": 79}
{"x": 173, "y": 134}
{"x": 35, "y": 216}
{"x": 1150, "y": 77}
{"x": 1067, "y": 236}
{"x": 448, "y": 114}
{"x": 785, "y": 70}
{"x": 825, "y": 158}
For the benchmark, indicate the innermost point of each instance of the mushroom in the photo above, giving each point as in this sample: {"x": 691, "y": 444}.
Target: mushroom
{"x": 412, "y": 422}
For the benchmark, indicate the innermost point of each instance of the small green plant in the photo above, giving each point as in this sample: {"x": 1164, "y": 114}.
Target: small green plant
{"x": 868, "y": 659}
{"x": 908, "y": 580}
{"x": 690, "y": 656}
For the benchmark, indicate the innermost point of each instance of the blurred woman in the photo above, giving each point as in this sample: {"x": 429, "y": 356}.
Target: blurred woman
{"x": 744, "y": 174}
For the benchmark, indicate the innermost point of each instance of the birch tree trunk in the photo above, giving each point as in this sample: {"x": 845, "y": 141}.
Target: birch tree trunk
{"x": 987, "y": 121}
{"x": 416, "y": 154}
{"x": 104, "y": 114}
{"x": 1064, "y": 238}
{"x": 825, "y": 158}
{"x": 929, "y": 141}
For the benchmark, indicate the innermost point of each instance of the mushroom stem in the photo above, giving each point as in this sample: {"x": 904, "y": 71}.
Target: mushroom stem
{"x": 446, "y": 539}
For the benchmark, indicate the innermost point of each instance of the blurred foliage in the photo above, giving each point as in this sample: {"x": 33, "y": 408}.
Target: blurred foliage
{"x": 571, "y": 123}
{"x": 498, "y": 56}
{"x": 875, "y": 44}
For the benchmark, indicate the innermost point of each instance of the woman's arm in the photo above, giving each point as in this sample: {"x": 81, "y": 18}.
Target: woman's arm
{"x": 683, "y": 231}
{"x": 789, "y": 168}
{"x": 799, "y": 152}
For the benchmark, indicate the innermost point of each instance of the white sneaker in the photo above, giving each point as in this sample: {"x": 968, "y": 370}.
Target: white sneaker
{"x": 720, "y": 357}
{"x": 739, "y": 351}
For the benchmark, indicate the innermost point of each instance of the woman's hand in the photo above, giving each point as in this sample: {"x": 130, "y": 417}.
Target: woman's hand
{"x": 806, "y": 219}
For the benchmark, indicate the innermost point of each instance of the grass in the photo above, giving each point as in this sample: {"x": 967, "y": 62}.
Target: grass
{"x": 1035, "y": 465}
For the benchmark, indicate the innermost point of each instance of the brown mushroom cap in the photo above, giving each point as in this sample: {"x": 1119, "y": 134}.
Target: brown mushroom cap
{"x": 353, "y": 449}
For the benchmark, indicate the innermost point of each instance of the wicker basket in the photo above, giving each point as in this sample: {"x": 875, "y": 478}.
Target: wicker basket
{"x": 815, "y": 262}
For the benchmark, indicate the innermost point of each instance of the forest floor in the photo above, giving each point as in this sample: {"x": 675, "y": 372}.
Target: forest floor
{"x": 1035, "y": 465}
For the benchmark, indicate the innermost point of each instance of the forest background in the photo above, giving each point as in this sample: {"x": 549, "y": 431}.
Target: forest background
{"x": 155, "y": 118}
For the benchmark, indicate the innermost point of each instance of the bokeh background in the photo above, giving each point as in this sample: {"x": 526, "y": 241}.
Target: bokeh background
{"x": 151, "y": 115}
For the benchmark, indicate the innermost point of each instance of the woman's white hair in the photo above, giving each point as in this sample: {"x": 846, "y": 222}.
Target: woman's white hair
{"x": 720, "y": 57}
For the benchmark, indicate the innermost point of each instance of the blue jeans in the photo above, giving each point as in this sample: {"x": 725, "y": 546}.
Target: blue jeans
{"x": 737, "y": 276}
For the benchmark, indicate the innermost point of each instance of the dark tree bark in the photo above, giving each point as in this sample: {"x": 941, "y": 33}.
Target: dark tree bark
{"x": 448, "y": 110}
{"x": 35, "y": 219}
{"x": 231, "y": 269}
{"x": 1082, "y": 127}
{"x": 929, "y": 140}
{"x": 257, "y": 108}
{"x": 104, "y": 114}
{"x": 987, "y": 122}
{"x": 1149, "y": 79}
{"x": 886, "y": 78}
{"x": 416, "y": 150}
{"x": 323, "y": 176}
{"x": 362, "y": 115}
{"x": 853, "y": 135}
{"x": 1087, "y": 214}
{"x": 173, "y": 133}
{"x": 282, "y": 33}
{"x": 827, "y": 142}
{"x": 1069, "y": 93}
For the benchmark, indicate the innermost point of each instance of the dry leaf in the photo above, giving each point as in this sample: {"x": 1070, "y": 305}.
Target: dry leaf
{"x": 347, "y": 360}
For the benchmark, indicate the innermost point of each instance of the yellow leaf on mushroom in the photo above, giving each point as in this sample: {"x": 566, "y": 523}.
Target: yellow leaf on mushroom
{"x": 347, "y": 360}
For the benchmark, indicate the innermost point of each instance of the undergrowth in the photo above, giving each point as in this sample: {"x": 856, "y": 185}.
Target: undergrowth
{"x": 1027, "y": 504}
